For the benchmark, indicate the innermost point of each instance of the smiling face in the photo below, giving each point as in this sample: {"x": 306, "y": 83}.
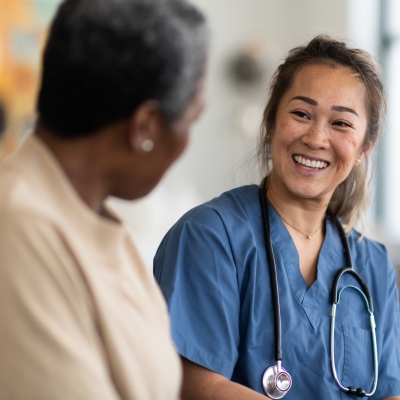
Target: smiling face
{"x": 319, "y": 132}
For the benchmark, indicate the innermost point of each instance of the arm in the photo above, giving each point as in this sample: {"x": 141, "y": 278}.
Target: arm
{"x": 49, "y": 345}
{"x": 198, "y": 278}
{"x": 389, "y": 312}
{"x": 200, "y": 383}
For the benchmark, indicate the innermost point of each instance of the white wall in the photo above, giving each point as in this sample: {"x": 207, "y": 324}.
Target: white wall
{"x": 363, "y": 24}
{"x": 390, "y": 199}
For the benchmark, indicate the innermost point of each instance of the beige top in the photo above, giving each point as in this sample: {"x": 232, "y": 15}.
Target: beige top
{"x": 80, "y": 316}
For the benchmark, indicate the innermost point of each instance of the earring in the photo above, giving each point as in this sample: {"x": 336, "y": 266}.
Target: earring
{"x": 358, "y": 161}
{"x": 147, "y": 145}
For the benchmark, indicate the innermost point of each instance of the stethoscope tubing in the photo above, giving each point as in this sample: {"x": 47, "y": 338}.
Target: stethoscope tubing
{"x": 374, "y": 348}
{"x": 349, "y": 269}
{"x": 273, "y": 273}
{"x": 335, "y": 298}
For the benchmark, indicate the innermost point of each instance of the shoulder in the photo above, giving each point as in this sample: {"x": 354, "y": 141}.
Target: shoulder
{"x": 230, "y": 208}
{"x": 371, "y": 259}
{"x": 19, "y": 206}
{"x": 29, "y": 221}
{"x": 225, "y": 224}
{"x": 14, "y": 189}
{"x": 368, "y": 249}
{"x": 20, "y": 199}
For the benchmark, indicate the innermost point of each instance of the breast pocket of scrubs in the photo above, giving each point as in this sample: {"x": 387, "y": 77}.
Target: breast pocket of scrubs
{"x": 358, "y": 358}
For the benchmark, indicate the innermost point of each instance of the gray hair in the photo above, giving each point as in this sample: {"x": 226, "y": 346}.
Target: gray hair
{"x": 105, "y": 57}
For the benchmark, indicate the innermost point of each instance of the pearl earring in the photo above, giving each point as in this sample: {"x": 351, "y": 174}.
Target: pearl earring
{"x": 147, "y": 145}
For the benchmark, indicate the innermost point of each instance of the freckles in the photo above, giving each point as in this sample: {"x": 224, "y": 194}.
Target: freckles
{"x": 285, "y": 133}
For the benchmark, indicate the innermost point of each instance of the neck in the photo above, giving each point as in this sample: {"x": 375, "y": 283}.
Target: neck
{"x": 80, "y": 162}
{"x": 299, "y": 214}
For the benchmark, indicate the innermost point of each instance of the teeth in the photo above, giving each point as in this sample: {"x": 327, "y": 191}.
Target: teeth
{"x": 308, "y": 163}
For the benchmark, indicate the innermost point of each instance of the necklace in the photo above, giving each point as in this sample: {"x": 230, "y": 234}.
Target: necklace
{"x": 298, "y": 230}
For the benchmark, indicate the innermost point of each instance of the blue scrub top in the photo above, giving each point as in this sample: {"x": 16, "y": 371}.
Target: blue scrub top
{"x": 213, "y": 271}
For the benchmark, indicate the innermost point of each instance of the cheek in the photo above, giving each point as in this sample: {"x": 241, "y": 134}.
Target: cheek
{"x": 347, "y": 151}
{"x": 180, "y": 143}
{"x": 286, "y": 133}
{"x": 184, "y": 143}
{"x": 184, "y": 136}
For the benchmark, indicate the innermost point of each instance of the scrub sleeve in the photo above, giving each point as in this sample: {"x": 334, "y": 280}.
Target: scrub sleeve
{"x": 205, "y": 328}
{"x": 389, "y": 356}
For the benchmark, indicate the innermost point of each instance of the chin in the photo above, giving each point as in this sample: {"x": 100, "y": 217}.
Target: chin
{"x": 137, "y": 192}
{"x": 306, "y": 191}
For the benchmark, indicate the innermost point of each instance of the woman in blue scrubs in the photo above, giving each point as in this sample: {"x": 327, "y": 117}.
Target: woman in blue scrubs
{"x": 320, "y": 125}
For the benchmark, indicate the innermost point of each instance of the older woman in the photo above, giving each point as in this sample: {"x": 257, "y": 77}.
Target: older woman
{"x": 80, "y": 317}
{"x": 249, "y": 276}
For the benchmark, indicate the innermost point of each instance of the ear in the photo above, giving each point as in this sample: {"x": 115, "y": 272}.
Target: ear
{"x": 145, "y": 127}
{"x": 367, "y": 148}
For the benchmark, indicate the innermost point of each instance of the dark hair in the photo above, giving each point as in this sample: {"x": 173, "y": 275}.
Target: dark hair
{"x": 104, "y": 58}
{"x": 351, "y": 197}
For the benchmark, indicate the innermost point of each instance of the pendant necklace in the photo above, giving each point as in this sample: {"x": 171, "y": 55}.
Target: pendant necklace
{"x": 298, "y": 230}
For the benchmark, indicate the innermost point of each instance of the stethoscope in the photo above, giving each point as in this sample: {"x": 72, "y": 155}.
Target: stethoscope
{"x": 276, "y": 381}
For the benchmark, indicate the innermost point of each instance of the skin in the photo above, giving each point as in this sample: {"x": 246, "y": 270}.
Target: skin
{"x": 112, "y": 161}
{"x": 322, "y": 117}
{"x": 321, "y": 129}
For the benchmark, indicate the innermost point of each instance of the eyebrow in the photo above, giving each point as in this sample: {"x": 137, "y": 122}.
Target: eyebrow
{"x": 344, "y": 109}
{"x": 315, "y": 103}
{"x": 306, "y": 100}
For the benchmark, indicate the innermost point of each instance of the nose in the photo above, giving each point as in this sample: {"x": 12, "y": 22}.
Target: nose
{"x": 316, "y": 137}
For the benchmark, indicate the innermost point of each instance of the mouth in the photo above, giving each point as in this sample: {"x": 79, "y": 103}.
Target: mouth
{"x": 310, "y": 163}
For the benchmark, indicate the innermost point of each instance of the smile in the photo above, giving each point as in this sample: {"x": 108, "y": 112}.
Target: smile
{"x": 310, "y": 163}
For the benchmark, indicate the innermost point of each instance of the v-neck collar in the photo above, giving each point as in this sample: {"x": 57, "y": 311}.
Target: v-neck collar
{"x": 310, "y": 297}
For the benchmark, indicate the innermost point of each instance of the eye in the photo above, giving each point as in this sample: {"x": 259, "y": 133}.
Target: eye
{"x": 300, "y": 114}
{"x": 342, "y": 124}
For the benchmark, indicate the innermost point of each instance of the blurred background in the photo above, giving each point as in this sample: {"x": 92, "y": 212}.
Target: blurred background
{"x": 249, "y": 39}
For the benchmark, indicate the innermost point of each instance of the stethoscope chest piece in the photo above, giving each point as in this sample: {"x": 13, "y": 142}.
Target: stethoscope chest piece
{"x": 276, "y": 382}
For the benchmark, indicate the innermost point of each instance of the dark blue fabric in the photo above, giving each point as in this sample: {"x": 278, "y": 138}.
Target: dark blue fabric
{"x": 213, "y": 271}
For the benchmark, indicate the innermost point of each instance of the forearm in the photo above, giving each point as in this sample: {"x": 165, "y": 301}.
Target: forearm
{"x": 224, "y": 390}
{"x": 202, "y": 384}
